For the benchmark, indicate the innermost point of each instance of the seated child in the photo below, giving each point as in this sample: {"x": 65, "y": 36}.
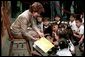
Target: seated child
{"x": 46, "y": 26}
{"x": 57, "y": 19}
{"x": 55, "y": 36}
{"x": 72, "y": 22}
{"x": 79, "y": 32}
{"x": 63, "y": 48}
{"x": 40, "y": 23}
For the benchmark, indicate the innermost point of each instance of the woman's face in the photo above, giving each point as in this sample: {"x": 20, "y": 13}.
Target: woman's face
{"x": 35, "y": 14}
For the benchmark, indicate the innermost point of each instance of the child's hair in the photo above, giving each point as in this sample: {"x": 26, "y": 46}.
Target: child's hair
{"x": 45, "y": 19}
{"x": 79, "y": 19}
{"x": 63, "y": 44}
{"x": 40, "y": 16}
{"x": 73, "y": 15}
{"x": 58, "y": 16}
{"x": 53, "y": 24}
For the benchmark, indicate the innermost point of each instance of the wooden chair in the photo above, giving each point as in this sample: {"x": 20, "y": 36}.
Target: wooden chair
{"x": 16, "y": 43}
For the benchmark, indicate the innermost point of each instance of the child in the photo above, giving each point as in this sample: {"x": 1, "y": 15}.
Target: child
{"x": 64, "y": 50}
{"x": 46, "y": 26}
{"x": 40, "y": 23}
{"x": 55, "y": 35}
{"x": 79, "y": 32}
{"x": 57, "y": 19}
{"x": 72, "y": 22}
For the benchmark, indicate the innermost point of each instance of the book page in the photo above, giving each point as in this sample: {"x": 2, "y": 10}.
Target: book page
{"x": 44, "y": 44}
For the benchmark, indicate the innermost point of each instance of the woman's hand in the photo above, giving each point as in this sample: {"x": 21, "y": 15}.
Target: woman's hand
{"x": 41, "y": 34}
{"x": 35, "y": 39}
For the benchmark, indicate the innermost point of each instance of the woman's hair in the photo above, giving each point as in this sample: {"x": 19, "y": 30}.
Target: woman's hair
{"x": 36, "y": 7}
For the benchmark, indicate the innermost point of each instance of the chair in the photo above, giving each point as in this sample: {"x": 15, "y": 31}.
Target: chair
{"x": 18, "y": 46}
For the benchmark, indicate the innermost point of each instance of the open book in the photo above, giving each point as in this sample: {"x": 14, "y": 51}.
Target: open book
{"x": 43, "y": 44}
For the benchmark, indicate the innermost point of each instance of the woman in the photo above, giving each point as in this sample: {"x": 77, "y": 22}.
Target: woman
{"x": 27, "y": 20}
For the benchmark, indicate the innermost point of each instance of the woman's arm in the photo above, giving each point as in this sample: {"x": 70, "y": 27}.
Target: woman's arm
{"x": 34, "y": 26}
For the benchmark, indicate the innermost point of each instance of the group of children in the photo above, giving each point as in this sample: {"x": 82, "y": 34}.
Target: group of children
{"x": 71, "y": 31}
{"x": 31, "y": 26}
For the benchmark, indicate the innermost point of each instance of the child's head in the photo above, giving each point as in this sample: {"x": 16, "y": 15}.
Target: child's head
{"x": 39, "y": 19}
{"x": 72, "y": 17}
{"x": 54, "y": 27}
{"x": 46, "y": 21}
{"x": 57, "y": 18}
{"x": 63, "y": 44}
{"x": 78, "y": 22}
